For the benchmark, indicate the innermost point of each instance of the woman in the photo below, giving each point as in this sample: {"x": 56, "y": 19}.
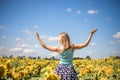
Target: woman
{"x": 66, "y": 69}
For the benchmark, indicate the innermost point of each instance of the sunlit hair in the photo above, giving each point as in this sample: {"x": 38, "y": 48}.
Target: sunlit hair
{"x": 65, "y": 40}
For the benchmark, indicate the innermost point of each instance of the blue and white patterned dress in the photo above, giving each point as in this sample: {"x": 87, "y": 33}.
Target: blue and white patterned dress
{"x": 66, "y": 69}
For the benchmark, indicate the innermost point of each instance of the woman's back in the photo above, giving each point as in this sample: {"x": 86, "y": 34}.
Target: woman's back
{"x": 66, "y": 56}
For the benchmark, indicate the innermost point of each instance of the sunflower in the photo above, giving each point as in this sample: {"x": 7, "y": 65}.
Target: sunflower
{"x": 108, "y": 71}
{"x": 52, "y": 76}
{"x": 85, "y": 71}
{"x": 24, "y": 73}
{"x": 2, "y": 71}
{"x": 16, "y": 75}
{"x": 8, "y": 64}
{"x": 102, "y": 78}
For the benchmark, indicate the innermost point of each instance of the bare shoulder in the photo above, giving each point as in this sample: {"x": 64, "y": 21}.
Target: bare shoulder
{"x": 79, "y": 46}
{"x": 72, "y": 47}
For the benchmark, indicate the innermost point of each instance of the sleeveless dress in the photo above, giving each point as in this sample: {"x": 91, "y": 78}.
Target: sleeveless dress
{"x": 66, "y": 69}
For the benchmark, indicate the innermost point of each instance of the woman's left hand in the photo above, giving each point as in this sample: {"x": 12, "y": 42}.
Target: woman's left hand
{"x": 93, "y": 31}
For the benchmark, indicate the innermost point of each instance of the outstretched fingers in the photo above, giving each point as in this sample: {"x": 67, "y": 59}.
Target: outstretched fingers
{"x": 37, "y": 35}
{"x": 94, "y": 30}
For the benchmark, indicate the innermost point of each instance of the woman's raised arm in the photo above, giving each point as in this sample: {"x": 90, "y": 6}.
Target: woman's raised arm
{"x": 51, "y": 48}
{"x": 79, "y": 46}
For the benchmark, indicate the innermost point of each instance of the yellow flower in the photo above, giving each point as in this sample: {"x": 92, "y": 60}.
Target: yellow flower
{"x": 2, "y": 71}
{"x": 35, "y": 71}
{"x": 118, "y": 70}
{"x": 84, "y": 71}
{"x": 30, "y": 68}
{"x": 108, "y": 71}
{"x": 52, "y": 77}
{"x": 16, "y": 76}
{"x": 8, "y": 64}
{"x": 24, "y": 73}
{"x": 104, "y": 68}
{"x": 102, "y": 78}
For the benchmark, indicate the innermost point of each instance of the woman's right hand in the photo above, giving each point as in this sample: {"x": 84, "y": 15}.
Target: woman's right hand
{"x": 37, "y": 35}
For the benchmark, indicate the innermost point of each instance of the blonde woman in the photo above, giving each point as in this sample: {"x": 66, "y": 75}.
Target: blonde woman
{"x": 65, "y": 69}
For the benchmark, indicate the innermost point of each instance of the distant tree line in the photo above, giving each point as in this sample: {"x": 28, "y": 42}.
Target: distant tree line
{"x": 54, "y": 58}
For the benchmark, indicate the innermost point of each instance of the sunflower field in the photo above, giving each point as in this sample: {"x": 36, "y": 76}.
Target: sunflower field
{"x": 42, "y": 69}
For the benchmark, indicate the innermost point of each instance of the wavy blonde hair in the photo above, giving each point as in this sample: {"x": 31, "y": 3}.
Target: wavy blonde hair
{"x": 65, "y": 40}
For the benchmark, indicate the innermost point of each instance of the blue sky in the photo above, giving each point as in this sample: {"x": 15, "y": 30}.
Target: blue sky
{"x": 19, "y": 19}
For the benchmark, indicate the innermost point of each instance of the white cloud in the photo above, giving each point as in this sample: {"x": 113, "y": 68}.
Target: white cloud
{"x": 26, "y": 31}
{"x": 92, "y": 11}
{"x": 93, "y": 44}
{"x": 49, "y": 38}
{"x": 3, "y": 50}
{"x": 18, "y": 39}
{"x": 33, "y": 52}
{"x": 29, "y": 51}
{"x": 108, "y": 19}
{"x": 118, "y": 41}
{"x": 112, "y": 42}
{"x": 115, "y": 42}
{"x": 29, "y": 39}
{"x": 36, "y": 46}
{"x": 4, "y": 37}
{"x": 1, "y": 27}
{"x": 23, "y": 45}
{"x": 54, "y": 54}
{"x": 15, "y": 49}
{"x": 35, "y": 26}
{"x": 69, "y": 9}
{"x": 1, "y": 47}
{"x": 116, "y": 52}
{"x": 117, "y": 35}
{"x": 78, "y": 12}
{"x": 90, "y": 52}
{"x": 18, "y": 51}
{"x": 52, "y": 38}
{"x": 43, "y": 36}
